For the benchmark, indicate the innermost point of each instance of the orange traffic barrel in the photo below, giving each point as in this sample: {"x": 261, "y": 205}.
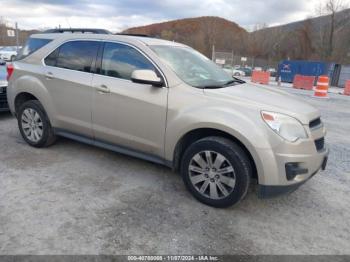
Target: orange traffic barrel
{"x": 321, "y": 90}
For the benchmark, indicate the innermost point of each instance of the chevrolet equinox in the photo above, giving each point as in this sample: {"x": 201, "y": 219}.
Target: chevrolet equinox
{"x": 165, "y": 102}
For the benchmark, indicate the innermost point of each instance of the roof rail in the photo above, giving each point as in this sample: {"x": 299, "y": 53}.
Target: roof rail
{"x": 77, "y": 30}
{"x": 127, "y": 34}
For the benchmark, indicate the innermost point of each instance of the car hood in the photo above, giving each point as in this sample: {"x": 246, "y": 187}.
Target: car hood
{"x": 266, "y": 98}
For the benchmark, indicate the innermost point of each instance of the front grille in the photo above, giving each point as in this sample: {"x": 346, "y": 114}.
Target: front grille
{"x": 319, "y": 143}
{"x": 3, "y": 98}
{"x": 315, "y": 123}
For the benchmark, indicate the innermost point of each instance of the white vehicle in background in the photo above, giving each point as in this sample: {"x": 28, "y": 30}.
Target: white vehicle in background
{"x": 257, "y": 68}
{"x": 272, "y": 71}
{"x": 233, "y": 71}
{"x": 8, "y": 53}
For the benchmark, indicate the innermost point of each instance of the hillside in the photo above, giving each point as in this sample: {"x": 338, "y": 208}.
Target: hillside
{"x": 200, "y": 33}
{"x": 307, "y": 39}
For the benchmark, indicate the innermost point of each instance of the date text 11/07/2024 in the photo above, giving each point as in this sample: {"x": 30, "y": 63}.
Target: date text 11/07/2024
{"x": 173, "y": 258}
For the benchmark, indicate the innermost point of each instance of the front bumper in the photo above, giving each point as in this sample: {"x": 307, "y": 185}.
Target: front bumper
{"x": 269, "y": 191}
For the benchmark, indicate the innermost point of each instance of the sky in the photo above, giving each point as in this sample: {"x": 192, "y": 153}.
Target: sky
{"x": 121, "y": 14}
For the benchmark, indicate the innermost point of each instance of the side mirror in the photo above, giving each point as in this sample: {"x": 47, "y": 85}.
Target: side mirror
{"x": 147, "y": 77}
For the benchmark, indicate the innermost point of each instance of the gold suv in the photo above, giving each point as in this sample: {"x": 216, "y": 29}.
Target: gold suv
{"x": 166, "y": 103}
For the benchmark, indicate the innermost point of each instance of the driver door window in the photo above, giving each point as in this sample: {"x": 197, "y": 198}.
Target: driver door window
{"x": 121, "y": 60}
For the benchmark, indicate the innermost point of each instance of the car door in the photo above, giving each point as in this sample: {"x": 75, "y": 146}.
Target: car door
{"x": 125, "y": 113}
{"x": 67, "y": 76}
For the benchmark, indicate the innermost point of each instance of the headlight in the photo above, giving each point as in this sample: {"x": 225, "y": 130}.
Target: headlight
{"x": 287, "y": 127}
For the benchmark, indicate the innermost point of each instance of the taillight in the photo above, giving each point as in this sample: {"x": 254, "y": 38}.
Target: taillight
{"x": 10, "y": 69}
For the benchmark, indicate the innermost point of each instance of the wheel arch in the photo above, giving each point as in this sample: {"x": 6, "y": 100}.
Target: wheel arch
{"x": 21, "y": 98}
{"x": 29, "y": 87}
{"x": 199, "y": 133}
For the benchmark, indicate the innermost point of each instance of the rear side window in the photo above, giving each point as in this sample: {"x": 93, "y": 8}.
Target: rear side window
{"x": 121, "y": 60}
{"x": 51, "y": 59}
{"x": 32, "y": 45}
{"x": 74, "y": 55}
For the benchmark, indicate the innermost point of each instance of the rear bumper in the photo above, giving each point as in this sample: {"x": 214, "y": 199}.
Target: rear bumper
{"x": 266, "y": 191}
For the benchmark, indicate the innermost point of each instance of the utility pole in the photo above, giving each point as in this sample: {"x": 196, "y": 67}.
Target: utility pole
{"x": 17, "y": 40}
{"x": 232, "y": 57}
{"x": 213, "y": 53}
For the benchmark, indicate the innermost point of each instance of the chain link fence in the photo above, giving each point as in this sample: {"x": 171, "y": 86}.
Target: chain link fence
{"x": 234, "y": 60}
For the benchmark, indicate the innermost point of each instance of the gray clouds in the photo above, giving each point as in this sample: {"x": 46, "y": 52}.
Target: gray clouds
{"x": 120, "y": 14}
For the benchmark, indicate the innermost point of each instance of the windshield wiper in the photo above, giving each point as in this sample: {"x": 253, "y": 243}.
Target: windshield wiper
{"x": 234, "y": 80}
{"x": 212, "y": 87}
{"x": 228, "y": 83}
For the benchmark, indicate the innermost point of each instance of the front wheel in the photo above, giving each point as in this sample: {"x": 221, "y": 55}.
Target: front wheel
{"x": 216, "y": 171}
{"x": 34, "y": 124}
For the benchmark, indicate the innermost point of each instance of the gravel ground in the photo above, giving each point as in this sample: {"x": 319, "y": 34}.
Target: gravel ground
{"x": 76, "y": 199}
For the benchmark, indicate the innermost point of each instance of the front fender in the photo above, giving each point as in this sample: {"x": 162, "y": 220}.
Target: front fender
{"x": 245, "y": 125}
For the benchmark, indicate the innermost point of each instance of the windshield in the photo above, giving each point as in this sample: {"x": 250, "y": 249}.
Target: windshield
{"x": 193, "y": 68}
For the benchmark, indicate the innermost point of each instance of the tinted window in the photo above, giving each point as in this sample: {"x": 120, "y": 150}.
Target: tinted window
{"x": 51, "y": 59}
{"x": 31, "y": 46}
{"x": 121, "y": 60}
{"x": 76, "y": 55}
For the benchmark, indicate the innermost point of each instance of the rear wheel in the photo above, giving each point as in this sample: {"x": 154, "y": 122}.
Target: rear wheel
{"x": 216, "y": 171}
{"x": 34, "y": 124}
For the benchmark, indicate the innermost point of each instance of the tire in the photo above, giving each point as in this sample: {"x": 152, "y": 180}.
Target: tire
{"x": 29, "y": 125}
{"x": 236, "y": 182}
{"x": 13, "y": 58}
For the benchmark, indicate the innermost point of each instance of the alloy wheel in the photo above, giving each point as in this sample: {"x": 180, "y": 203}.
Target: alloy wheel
{"x": 32, "y": 125}
{"x": 212, "y": 175}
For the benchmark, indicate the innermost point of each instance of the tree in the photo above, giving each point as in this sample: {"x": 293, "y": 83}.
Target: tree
{"x": 326, "y": 35}
{"x": 210, "y": 30}
{"x": 332, "y": 7}
{"x": 304, "y": 36}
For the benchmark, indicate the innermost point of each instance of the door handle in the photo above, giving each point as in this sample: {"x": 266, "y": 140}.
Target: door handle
{"x": 49, "y": 75}
{"x": 103, "y": 89}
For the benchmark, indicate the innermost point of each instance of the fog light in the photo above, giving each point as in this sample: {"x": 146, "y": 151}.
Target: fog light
{"x": 294, "y": 169}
